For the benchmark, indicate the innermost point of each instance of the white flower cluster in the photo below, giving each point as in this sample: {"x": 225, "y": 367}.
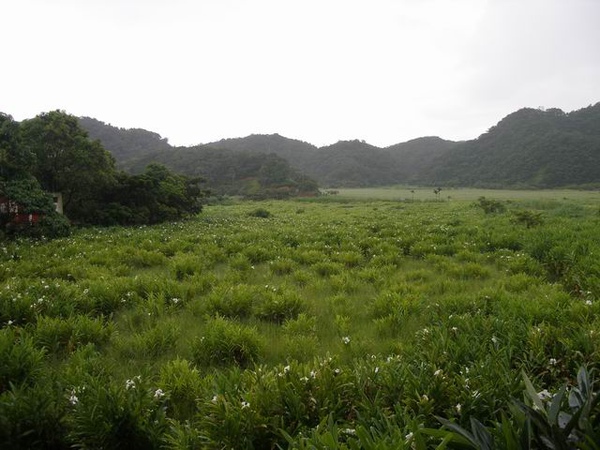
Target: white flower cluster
{"x": 130, "y": 384}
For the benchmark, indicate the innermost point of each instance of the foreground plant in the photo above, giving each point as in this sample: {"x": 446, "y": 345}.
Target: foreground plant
{"x": 567, "y": 419}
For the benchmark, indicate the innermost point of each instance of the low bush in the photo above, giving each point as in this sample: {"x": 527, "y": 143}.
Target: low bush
{"x": 226, "y": 343}
{"x": 62, "y": 336}
{"x": 260, "y": 212}
{"x": 281, "y": 306}
{"x": 20, "y": 361}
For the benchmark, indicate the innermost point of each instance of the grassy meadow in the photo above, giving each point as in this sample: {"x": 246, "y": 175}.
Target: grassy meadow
{"x": 347, "y": 321}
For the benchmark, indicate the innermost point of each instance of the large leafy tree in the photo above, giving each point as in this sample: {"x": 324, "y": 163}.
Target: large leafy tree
{"x": 67, "y": 161}
{"x": 52, "y": 153}
{"x": 158, "y": 194}
{"x": 20, "y": 186}
{"x": 15, "y": 160}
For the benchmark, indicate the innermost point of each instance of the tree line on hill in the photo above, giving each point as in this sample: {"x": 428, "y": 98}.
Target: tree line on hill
{"x": 530, "y": 148}
{"x": 255, "y": 174}
{"x": 52, "y": 153}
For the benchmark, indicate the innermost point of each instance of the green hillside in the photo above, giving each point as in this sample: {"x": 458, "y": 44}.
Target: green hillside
{"x": 124, "y": 144}
{"x": 530, "y": 148}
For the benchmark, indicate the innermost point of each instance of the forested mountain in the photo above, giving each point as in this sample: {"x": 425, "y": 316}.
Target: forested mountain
{"x": 417, "y": 155}
{"x": 123, "y": 143}
{"x": 254, "y": 175}
{"x": 294, "y": 151}
{"x": 353, "y": 164}
{"x": 528, "y": 148}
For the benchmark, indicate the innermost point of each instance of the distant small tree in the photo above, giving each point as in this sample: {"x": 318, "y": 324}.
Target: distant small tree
{"x": 490, "y": 206}
{"x": 528, "y": 218}
{"x": 437, "y": 191}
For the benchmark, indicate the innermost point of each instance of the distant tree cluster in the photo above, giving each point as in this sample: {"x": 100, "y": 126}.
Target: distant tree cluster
{"x": 51, "y": 153}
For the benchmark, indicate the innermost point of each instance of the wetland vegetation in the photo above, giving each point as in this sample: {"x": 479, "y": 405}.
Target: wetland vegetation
{"x": 332, "y": 322}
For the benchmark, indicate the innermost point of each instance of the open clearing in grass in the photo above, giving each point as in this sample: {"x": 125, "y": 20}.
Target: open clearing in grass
{"x": 375, "y": 314}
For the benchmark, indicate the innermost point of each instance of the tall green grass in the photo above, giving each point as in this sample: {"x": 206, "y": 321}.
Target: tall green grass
{"x": 351, "y": 324}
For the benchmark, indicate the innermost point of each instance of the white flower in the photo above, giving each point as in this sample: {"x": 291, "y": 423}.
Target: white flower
{"x": 588, "y": 302}
{"x": 494, "y": 340}
{"x": 376, "y": 369}
{"x": 458, "y": 408}
{"x": 544, "y": 395}
{"x": 159, "y": 394}
{"x": 245, "y": 405}
{"x": 454, "y": 329}
{"x": 313, "y": 374}
{"x": 346, "y": 340}
{"x": 73, "y": 400}
{"x": 129, "y": 384}
{"x": 349, "y": 431}
{"x": 437, "y": 373}
{"x": 409, "y": 437}
{"x": 286, "y": 369}
{"x": 215, "y": 398}
{"x": 552, "y": 361}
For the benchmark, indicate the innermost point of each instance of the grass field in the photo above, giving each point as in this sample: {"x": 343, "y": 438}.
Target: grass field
{"x": 453, "y": 194}
{"x": 326, "y": 323}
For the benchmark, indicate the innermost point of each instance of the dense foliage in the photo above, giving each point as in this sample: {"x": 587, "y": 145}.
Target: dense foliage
{"x": 121, "y": 142}
{"x": 321, "y": 323}
{"x": 529, "y": 148}
{"x": 51, "y": 153}
{"x": 249, "y": 167}
{"x": 226, "y": 172}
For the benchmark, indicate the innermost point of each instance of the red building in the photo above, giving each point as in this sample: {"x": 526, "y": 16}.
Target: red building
{"x": 15, "y": 214}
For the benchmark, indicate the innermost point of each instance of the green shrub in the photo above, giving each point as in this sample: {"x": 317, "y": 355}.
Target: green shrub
{"x": 33, "y": 417}
{"x": 186, "y": 266}
{"x": 490, "y": 206}
{"x": 301, "y": 348}
{"x": 282, "y": 266}
{"x": 20, "y": 361}
{"x": 234, "y": 301}
{"x": 227, "y": 343}
{"x": 128, "y": 415}
{"x": 303, "y": 325}
{"x": 528, "y": 218}
{"x": 326, "y": 268}
{"x": 281, "y": 306}
{"x": 61, "y": 336}
{"x": 257, "y": 253}
{"x": 157, "y": 341}
{"x": 260, "y": 212}
{"x": 184, "y": 386}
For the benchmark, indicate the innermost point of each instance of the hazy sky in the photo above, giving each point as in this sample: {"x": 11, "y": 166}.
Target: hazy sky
{"x": 385, "y": 71}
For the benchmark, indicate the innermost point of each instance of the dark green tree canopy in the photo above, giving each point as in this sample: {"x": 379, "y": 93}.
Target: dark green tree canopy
{"x": 67, "y": 161}
{"x": 52, "y": 153}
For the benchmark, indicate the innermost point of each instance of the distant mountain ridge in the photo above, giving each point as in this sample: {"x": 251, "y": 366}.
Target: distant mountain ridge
{"x": 528, "y": 148}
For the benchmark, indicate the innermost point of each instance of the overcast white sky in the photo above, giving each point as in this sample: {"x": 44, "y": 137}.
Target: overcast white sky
{"x": 385, "y": 71}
